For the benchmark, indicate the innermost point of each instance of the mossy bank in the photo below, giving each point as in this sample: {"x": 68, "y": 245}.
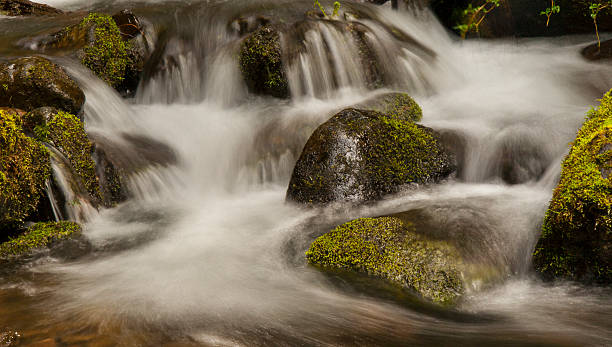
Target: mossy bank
{"x": 576, "y": 239}
{"x": 24, "y": 167}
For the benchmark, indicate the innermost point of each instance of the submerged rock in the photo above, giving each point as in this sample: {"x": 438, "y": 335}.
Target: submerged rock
{"x": 389, "y": 248}
{"x": 595, "y": 53}
{"x": 39, "y": 235}
{"x": 261, "y": 63}
{"x": 576, "y": 239}
{"x": 24, "y": 167}
{"x": 32, "y": 82}
{"x": 359, "y": 156}
{"x": 26, "y": 8}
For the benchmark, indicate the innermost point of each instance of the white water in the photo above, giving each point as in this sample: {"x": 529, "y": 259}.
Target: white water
{"x": 208, "y": 249}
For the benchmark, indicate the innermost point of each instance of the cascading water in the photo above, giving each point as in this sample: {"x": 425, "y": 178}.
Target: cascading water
{"x": 206, "y": 251}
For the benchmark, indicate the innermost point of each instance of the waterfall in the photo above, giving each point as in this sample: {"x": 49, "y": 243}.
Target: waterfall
{"x": 206, "y": 251}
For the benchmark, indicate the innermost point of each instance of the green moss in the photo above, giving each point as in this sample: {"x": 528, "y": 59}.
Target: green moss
{"x": 401, "y": 152}
{"x": 24, "y": 167}
{"x": 402, "y": 106}
{"x": 388, "y": 248}
{"x": 37, "y": 236}
{"x": 261, "y": 63}
{"x": 67, "y": 134}
{"x": 107, "y": 54}
{"x": 577, "y": 229}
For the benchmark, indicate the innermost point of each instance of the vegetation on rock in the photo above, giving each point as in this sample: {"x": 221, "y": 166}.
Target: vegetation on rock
{"x": 31, "y": 82}
{"x": 107, "y": 53}
{"x": 24, "y": 167}
{"x": 261, "y": 63}
{"x": 37, "y": 236}
{"x": 576, "y": 240}
{"x": 395, "y": 105}
{"x": 389, "y": 248}
{"x": 67, "y": 133}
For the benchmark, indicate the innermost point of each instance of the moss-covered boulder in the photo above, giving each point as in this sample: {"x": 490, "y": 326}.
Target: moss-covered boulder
{"x": 112, "y": 54}
{"x": 389, "y": 248}
{"x": 576, "y": 239}
{"x": 359, "y": 155}
{"x": 66, "y": 133}
{"x": 24, "y": 167}
{"x": 397, "y": 105}
{"x": 39, "y": 235}
{"x": 26, "y": 8}
{"x": 31, "y": 82}
{"x": 261, "y": 63}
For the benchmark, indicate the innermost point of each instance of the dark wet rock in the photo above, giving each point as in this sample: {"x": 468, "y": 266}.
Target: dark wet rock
{"x": 116, "y": 161}
{"x": 24, "y": 167}
{"x": 246, "y": 25}
{"x": 26, "y": 8}
{"x": 261, "y": 63}
{"x": 397, "y": 105}
{"x": 359, "y": 156}
{"x": 455, "y": 143}
{"x": 32, "y": 82}
{"x": 374, "y": 73}
{"x": 9, "y": 337}
{"x": 576, "y": 239}
{"x": 595, "y": 53}
{"x": 390, "y": 248}
{"x": 111, "y": 47}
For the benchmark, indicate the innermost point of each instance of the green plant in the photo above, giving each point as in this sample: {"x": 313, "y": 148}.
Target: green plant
{"x": 553, "y": 9}
{"x": 318, "y": 5}
{"x": 475, "y": 15}
{"x": 596, "y": 8}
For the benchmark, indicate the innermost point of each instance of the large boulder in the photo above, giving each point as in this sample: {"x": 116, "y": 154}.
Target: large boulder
{"x": 24, "y": 167}
{"x": 576, "y": 239}
{"x": 111, "y": 47}
{"x": 31, "y": 82}
{"x": 261, "y": 63}
{"x": 389, "y": 248}
{"x": 26, "y": 8}
{"x": 360, "y": 155}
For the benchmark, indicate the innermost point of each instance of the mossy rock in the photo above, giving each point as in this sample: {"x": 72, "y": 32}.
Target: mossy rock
{"x": 26, "y": 8}
{"x": 102, "y": 47}
{"x": 261, "y": 63}
{"x": 66, "y": 132}
{"x": 397, "y": 105}
{"x": 38, "y": 236}
{"x": 359, "y": 156}
{"x": 31, "y": 82}
{"x": 576, "y": 239}
{"x": 390, "y": 249}
{"x": 24, "y": 167}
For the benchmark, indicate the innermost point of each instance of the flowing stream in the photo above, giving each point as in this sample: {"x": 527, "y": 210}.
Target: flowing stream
{"x": 206, "y": 251}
